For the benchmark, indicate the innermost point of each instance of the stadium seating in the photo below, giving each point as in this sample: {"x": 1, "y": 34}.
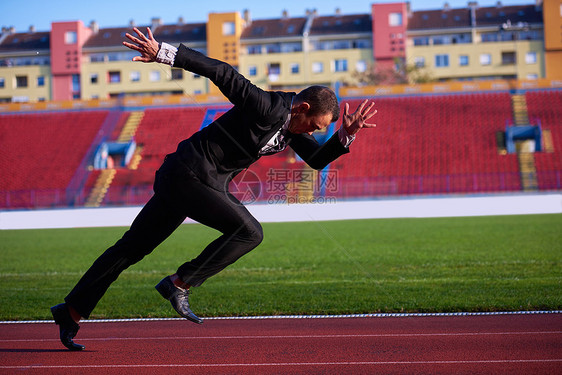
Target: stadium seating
{"x": 41, "y": 152}
{"x": 545, "y": 108}
{"x": 423, "y": 144}
{"x": 432, "y": 144}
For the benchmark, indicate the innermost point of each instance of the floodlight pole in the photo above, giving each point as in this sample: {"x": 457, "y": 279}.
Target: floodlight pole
{"x": 515, "y": 28}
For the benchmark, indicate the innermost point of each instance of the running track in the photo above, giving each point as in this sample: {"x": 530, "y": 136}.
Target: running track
{"x": 499, "y": 344}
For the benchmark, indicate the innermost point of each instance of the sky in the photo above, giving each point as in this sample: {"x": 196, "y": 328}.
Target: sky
{"x": 22, "y": 14}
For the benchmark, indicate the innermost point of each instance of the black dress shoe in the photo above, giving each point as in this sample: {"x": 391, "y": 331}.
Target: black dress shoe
{"x": 68, "y": 328}
{"x": 179, "y": 298}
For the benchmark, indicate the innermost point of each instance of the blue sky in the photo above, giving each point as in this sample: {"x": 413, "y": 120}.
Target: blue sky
{"x": 40, "y": 13}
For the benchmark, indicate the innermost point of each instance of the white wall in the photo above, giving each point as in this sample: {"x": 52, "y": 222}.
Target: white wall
{"x": 361, "y": 209}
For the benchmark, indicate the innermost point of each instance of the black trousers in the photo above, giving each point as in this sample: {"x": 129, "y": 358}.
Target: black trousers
{"x": 178, "y": 194}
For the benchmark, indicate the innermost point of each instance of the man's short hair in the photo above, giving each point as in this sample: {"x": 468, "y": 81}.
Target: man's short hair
{"x": 322, "y": 100}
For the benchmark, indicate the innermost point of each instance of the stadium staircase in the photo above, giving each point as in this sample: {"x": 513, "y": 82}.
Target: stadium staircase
{"x": 127, "y": 134}
{"x": 100, "y": 188}
{"x": 106, "y": 177}
{"x": 525, "y": 157}
{"x": 131, "y": 126}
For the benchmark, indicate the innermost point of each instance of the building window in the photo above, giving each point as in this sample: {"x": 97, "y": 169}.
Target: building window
{"x": 154, "y": 76}
{"x": 395, "y": 19}
{"x": 421, "y": 41}
{"x": 485, "y": 59}
{"x": 463, "y": 60}
{"x": 273, "y": 48}
{"x": 177, "y": 74}
{"x": 441, "y": 39}
{"x": 361, "y": 66}
{"x": 274, "y": 69}
{"x": 508, "y": 58}
{"x": 21, "y": 81}
{"x": 76, "y": 84}
{"x": 254, "y": 50}
{"x": 253, "y": 71}
{"x": 94, "y": 78}
{"x": 340, "y": 65}
{"x": 531, "y": 58}
{"x": 2, "y": 82}
{"x": 40, "y": 81}
{"x": 70, "y": 37}
{"x": 295, "y": 68}
{"x": 134, "y": 76}
{"x": 362, "y": 43}
{"x": 114, "y": 77}
{"x": 441, "y": 61}
{"x": 342, "y": 44}
{"x": 419, "y": 61}
{"x": 532, "y": 76}
{"x": 228, "y": 28}
{"x": 97, "y": 57}
{"x": 291, "y": 47}
{"x": 317, "y": 67}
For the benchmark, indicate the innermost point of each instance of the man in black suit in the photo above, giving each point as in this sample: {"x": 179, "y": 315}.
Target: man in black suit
{"x": 193, "y": 181}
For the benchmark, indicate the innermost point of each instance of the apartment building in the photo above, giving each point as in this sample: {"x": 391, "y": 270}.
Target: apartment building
{"x": 478, "y": 42}
{"x": 74, "y": 61}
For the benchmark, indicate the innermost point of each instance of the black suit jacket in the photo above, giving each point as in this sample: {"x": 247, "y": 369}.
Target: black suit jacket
{"x": 232, "y": 142}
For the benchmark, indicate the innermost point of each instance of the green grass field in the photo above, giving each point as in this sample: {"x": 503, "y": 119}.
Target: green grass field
{"x": 497, "y": 263}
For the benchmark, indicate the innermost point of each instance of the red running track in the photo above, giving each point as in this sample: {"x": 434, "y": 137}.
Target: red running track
{"x": 498, "y": 344}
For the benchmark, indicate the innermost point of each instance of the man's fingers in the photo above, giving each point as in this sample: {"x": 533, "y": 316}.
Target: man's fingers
{"x": 360, "y": 108}
{"x": 369, "y": 115}
{"x": 369, "y": 108}
{"x": 149, "y": 32}
{"x": 132, "y": 46}
{"x": 346, "y": 110}
{"x": 132, "y": 38}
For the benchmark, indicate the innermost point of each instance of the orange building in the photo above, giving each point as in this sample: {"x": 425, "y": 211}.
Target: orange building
{"x": 552, "y": 18}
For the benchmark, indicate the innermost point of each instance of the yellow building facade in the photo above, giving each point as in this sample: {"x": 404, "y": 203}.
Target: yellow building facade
{"x": 501, "y": 60}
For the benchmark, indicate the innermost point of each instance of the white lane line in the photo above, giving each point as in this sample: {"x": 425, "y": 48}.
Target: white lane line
{"x": 276, "y": 337}
{"x": 376, "y": 363}
{"x": 373, "y": 315}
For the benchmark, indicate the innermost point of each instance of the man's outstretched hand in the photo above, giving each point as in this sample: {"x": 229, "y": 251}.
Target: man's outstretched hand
{"x": 147, "y": 46}
{"x": 356, "y": 121}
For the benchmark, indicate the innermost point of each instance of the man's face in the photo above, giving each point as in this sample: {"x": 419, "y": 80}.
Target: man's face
{"x": 301, "y": 122}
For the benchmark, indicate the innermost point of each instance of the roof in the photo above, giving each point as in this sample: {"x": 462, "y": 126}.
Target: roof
{"x": 440, "y": 18}
{"x": 113, "y": 36}
{"x": 274, "y": 28}
{"x": 485, "y": 16}
{"x": 26, "y": 42}
{"x": 192, "y": 32}
{"x": 341, "y": 24}
{"x": 492, "y": 16}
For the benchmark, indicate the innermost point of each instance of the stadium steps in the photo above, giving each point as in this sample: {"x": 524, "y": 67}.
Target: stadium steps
{"x": 520, "y": 113}
{"x": 136, "y": 159}
{"x": 301, "y": 188}
{"x": 100, "y": 188}
{"x": 131, "y": 126}
{"x": 528, "y": 171}
{"x": 547, "y": 141}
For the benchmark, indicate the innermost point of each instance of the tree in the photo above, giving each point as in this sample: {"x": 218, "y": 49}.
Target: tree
{"x": 401, "y": 73}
